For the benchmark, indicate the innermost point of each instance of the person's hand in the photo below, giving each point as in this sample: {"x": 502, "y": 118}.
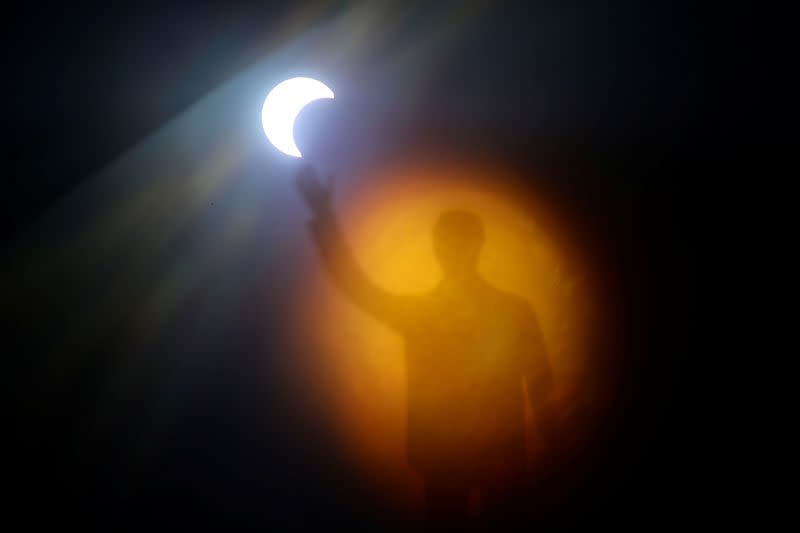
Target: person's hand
{"x": 318, "y": 196}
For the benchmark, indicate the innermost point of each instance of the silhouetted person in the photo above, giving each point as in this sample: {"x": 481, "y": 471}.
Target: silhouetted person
{"x": 468, "y": 347}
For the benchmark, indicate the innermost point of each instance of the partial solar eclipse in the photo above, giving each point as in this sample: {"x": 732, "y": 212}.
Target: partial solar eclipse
{"x": 281, "y": 107}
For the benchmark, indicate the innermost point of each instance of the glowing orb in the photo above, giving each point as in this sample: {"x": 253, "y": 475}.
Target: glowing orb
{"x": 281, "y": 107}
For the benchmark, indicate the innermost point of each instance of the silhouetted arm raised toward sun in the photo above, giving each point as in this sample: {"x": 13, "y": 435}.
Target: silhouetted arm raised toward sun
{"x": 339, "y": 260}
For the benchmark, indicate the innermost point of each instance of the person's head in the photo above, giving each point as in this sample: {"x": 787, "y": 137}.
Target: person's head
{"x": 457, "y": 240}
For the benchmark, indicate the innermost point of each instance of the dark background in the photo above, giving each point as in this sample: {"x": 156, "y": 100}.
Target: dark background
{"x": 647, "y": 110}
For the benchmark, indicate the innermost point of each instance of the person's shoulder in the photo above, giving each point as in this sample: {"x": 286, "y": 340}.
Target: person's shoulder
{"x": 512, "y": 303}
{"x": 420, "y": 302}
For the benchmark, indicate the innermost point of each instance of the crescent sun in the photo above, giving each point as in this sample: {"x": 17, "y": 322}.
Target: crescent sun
{"x": 281, "y": 107}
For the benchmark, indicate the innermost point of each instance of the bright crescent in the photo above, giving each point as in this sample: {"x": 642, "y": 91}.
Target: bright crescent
{"x": 281, "y": 107}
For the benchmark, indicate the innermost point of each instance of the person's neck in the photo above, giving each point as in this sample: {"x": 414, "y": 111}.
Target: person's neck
{"x": 466, "y": 279}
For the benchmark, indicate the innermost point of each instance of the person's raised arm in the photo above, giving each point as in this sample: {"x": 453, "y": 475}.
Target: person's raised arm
{"x": 338, "y": 259}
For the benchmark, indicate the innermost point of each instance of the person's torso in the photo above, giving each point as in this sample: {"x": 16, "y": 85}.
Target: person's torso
{"x": 463, "y": 365}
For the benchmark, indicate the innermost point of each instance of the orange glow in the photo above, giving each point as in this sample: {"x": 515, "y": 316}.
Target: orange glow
{"x": 358, "y": 364}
